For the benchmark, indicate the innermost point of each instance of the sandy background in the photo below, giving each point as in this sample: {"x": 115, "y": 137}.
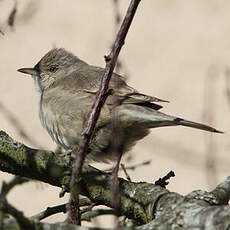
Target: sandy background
{"x": 176, "y": 50}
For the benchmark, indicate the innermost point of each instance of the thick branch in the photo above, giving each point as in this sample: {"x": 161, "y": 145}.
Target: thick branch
{"x": 45, "y": 166}
{"x": 142, "y": 202}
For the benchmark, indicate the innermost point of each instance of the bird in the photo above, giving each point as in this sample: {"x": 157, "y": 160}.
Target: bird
{"x": 68, "y": 86}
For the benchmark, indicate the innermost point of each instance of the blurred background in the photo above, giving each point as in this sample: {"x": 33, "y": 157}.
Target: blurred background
{"x": 175, "y": 50}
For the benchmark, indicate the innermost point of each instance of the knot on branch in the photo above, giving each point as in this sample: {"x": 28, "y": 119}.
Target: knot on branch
{"x": 163, "y": 181}
{"x": 107, "y": 58}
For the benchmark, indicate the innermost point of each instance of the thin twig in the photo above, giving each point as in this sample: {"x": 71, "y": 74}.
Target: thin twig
{"x": 23, "y": 222}
{"x": 17, "y": 180}
{"x": 133, "y": 167}
{"x": 96, "y": 108}
{"x": 98, "y": 212}
{"x": 62, "y": 208}
{"x": 116, "y": 202}
{"x": 125, "y": 171}
{"x": 89, "y": 208}
{"x": 117, "y": 153}
{"x": 6, "y": 208}
{"x": 50, "y": 211}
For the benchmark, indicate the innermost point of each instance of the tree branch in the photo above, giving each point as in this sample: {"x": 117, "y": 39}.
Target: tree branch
{"x": 96, "y": 108}
{"x": 97, "y": 212}
{"x": 142, "y": 202}
{"x": 17, "y": 180}
{"x": 110, "y": 64}
{"x": 23, "y": 222}
{"x": 50, "y": 211}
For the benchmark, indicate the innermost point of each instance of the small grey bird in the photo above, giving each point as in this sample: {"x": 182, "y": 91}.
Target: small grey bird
{"x": 68, "y": 86}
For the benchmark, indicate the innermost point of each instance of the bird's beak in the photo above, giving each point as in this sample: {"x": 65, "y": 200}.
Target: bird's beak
{"x": 31, "y": 71}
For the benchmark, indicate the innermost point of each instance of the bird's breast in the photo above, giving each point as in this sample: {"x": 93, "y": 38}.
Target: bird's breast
{"x": 50, "y": 122}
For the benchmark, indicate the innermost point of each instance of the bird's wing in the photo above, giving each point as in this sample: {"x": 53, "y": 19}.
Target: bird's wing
{"x": 88, "y": 79}
{"x": 127, "y": 95}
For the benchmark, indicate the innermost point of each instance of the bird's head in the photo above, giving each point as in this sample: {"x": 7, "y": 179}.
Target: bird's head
{"x": 57, "y": 63}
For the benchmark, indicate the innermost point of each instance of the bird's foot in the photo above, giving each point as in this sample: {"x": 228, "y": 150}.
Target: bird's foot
{"x": 69, "y": 156}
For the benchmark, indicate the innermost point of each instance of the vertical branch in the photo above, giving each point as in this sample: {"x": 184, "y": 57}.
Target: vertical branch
{"x": 115, "y": 138}
{"x": 110, "y": 64}
{"x": 118, "y": 155}
{"x": 209, "y": 117}
{"x": 96, "y": 108}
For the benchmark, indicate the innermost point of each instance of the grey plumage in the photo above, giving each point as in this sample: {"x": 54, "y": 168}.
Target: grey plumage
{"x": 68, "y": 86}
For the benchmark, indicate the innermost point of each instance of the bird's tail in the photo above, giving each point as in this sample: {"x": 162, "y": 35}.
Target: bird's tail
{"x": 180, "y": 121}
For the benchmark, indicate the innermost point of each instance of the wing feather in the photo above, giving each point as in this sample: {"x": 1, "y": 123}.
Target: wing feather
{"x": 88, "y": 79}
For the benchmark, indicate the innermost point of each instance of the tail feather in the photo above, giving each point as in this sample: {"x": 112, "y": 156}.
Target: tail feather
{"x": 180, "y": 121}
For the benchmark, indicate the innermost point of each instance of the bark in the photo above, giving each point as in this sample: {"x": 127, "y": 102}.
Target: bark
{"x": 149, "y": 205}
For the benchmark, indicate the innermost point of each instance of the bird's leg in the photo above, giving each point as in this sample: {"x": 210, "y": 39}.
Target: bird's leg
{"x": 69, "y": 156}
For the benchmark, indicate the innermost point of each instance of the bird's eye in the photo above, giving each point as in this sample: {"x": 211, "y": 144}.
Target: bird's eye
{"x": 53, "y": 68}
